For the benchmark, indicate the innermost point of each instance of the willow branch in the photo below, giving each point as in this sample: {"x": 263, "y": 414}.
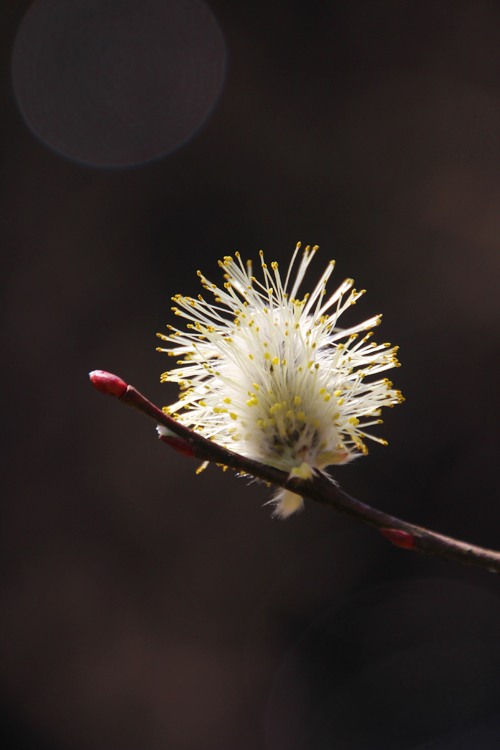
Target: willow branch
{"x": 320, "y": 488}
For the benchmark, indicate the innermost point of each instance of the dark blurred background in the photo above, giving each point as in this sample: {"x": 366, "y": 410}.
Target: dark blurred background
{"x": 143, "y": 606}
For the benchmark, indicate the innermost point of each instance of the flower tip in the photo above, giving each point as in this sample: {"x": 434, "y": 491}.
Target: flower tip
{"x": 286, "y": 503}
{"x": 400, "y": 538}
{"x": 108, "y": 383}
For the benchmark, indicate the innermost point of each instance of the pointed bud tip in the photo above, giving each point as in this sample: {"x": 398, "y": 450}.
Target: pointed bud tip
{"x": 108, "y": 383}
{"x": 400, "y": 538}
{"x": 178, "y": 444}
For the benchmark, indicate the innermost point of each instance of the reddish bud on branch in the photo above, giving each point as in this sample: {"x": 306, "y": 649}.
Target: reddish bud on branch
{"x": 399, "y": 538}
{"x": 178, "y": 444}
{"x": 108, "y": 383}
{"x": 319, "y": 487}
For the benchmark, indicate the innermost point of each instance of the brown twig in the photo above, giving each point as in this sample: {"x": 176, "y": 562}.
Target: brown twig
{"x": 320, "y": 488}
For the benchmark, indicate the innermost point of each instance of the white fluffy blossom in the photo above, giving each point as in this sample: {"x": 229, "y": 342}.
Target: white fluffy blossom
{"x": 273, "y": 377}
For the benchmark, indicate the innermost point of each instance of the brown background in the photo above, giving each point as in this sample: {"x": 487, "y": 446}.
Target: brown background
{"x": 145, "y": 607}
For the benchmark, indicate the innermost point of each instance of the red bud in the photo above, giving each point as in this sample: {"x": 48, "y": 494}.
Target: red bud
{"x": 108, "y": 383}
{"x": 399, "y": 538}
{"x": 178, "y": 444}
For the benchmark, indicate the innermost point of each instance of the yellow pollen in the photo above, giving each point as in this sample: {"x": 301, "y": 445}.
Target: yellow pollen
{"x": 326, "y": 397}
{"x": 297, "y": 400}
{"x": 233, "y": 415}
{"x": 276, "y": 360}
{"x": 227, "y": 400}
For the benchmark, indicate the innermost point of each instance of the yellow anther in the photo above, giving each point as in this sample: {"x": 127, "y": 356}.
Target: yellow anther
{"x": 233, "y": 415}
{"x": 202, "y": 467}
{"x": 326, "y": 397}
{"x": 321, "y": 391}
{"x": 276, "y": 360}
{"x": 227, "y": 400}
{"x": 297, "y": 400}
{"x": 301, "y": 416}
{"x": 256, "y": 386}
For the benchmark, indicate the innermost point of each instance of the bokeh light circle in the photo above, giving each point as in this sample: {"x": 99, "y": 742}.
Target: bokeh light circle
{"x": 117, "y": 82}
